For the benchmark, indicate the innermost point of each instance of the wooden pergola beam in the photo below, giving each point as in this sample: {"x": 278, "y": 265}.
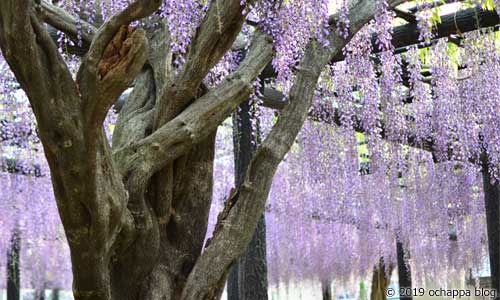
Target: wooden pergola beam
{"x": 405, "y": 15}
{"x": 407, "y": 35}
{"x": 459, "y": 23}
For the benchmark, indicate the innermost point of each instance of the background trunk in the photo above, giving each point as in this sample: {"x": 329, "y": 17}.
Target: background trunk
{"x": 248, "y": 277}
{"x": 40, "y": 294}
{"x": 182, "y": 237}
{"x": 13, "y": 274}
{"x": 492, "y": 207}
{"x": 326, "y": 290}
{"x": 404, "y": 272}
{"x": 380, "y": 281}
{"x": 55, "y": 294}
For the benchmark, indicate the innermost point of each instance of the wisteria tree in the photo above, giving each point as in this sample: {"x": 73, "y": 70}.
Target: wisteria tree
{"x": 135, "y": 213}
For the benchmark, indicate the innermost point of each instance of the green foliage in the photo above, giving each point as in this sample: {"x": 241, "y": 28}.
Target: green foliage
{"x": 425, "y": 56}
{"x": 435, "y": 18}
{"x": 364, "y": 154}
{"x": 488, "y": 4}
{"x": 454, "y": 55}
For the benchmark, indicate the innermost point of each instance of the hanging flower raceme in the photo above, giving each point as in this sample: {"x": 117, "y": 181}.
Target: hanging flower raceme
{"x": 29, "y": 210}
{"x": 424, "y": 21}
{"x": 421, "y": 100}
{"x": 327, "y": 221}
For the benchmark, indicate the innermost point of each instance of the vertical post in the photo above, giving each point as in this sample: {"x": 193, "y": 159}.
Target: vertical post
{"x": 248, "y": 277}
{"x": 13, "y": 273}
{"x": 492, "y": 208}
{"x": 55, "y": 294}
{"x": 40, "y": 294}
{"x": 404, "y": 272}
{"x": 326, "y": 290}
{"x": 380, "y": 281}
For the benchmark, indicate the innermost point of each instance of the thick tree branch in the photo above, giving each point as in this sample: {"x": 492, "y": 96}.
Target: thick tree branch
{"x": 28, "y": 49}
{"x": 199, "y": 120}
{"x": 237, "y": 222}
{"x": 41, "y": 72}
{"x": 65, "y": 22}
{"x": 121, "y": 62}
{"x": 213, "y": 38}
{"x": 183, "y": 234}
{"x": 136, "y": 116}
{"x": 137, "y": 10}
{"x": 116, "y": 56}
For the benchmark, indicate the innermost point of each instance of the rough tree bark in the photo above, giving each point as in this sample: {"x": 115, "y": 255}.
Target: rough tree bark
{"x": 135, "y": 214}
{"x": 13, "y": 273}
{"x": 404, "y": 272}
{"x": 247, "y": 279}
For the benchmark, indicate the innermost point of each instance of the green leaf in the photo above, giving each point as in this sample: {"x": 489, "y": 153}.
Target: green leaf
{"x": 488, "y": 5}
{"x": 424, "y": 56}
{"x": 435, "y": 16}
{"x": 454, "y": 54}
